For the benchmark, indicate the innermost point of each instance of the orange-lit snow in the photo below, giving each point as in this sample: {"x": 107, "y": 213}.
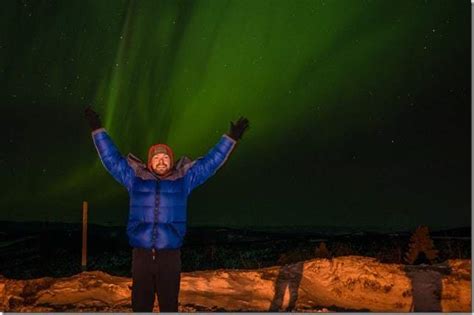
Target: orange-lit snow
{"x": 348, "y": 283}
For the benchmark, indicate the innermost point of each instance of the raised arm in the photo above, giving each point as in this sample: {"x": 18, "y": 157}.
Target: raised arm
{"x": 206, "y": 166}
{"x": 109, "y": 155}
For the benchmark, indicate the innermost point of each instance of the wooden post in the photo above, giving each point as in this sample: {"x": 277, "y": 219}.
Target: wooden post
{"x": 84, "y": 236}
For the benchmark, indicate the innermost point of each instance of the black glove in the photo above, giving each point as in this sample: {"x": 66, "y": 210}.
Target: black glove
{"x": 92, "y": 118}
{"x": 237, "y": 129}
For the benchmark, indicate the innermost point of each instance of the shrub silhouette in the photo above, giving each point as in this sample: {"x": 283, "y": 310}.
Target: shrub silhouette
{"x": 321, "y": 251}
{"x": 421, "y": 248}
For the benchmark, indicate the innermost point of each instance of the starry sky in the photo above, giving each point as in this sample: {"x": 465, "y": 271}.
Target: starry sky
{"x": 359, "y": 110}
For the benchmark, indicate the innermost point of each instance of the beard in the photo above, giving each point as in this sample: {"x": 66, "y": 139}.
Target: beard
{"x": 161, "y": 170}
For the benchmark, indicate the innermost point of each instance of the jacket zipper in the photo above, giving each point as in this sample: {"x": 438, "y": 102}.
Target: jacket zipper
{"x": 157, "y": 199}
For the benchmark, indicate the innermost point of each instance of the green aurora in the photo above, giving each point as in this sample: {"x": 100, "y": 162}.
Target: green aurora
{"x": 359, "y": 110}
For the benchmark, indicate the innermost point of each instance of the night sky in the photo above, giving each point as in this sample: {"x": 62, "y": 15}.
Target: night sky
{"x": 360, "y": 111}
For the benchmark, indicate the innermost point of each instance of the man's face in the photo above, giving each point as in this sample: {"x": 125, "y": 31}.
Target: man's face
{"x": 161, "y": 163}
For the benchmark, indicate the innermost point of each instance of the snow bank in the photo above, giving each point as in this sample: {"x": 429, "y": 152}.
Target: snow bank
{"x": 349, "y": 283}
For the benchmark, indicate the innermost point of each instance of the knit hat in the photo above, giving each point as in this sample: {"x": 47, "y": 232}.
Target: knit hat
{"x": 160, "y": 148}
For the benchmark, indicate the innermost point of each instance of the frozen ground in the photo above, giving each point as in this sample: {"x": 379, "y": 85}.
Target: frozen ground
{"x": 348, "y": 283}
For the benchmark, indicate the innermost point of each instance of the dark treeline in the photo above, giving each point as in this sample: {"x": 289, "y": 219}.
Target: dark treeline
{"x": 35, "y": 249}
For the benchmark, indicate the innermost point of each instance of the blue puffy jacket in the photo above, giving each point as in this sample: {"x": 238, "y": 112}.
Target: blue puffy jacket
{"x": 157, "y": 217}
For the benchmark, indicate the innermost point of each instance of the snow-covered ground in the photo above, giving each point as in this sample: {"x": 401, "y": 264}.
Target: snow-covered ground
{"x": 347, "y": 283}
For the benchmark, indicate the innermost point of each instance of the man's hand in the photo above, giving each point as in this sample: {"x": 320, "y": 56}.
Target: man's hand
{"x": 237, "y": 129}
{"x": 92, "y": 118}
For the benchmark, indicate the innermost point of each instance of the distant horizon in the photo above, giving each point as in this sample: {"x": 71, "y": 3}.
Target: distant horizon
{"x": 366, "y": 228}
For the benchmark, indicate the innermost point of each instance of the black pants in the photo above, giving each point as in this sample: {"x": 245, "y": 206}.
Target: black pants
{"x": 160, "y": 276}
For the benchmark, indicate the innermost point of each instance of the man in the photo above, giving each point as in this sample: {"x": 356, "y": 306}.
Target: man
{"x": 158, "y": 194}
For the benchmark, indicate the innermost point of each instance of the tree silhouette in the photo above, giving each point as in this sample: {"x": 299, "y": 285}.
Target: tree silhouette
{"x": 421, "y": 248}
{"x": 321, "y": 251}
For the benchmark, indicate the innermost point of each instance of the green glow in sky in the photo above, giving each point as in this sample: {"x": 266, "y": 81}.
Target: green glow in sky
{"x": 357, "y": 108}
